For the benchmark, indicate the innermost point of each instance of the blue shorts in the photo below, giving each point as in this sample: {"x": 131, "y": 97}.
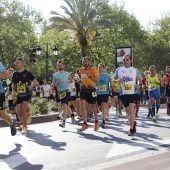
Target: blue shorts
{"x": 154, "y": 94}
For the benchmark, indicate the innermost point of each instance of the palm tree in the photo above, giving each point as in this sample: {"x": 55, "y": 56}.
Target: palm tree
{"x": 81, "y": 19}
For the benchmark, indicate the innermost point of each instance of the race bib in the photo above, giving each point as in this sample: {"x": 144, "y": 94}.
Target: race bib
{"x": 152, "y": 87}
{"x": 128, "y": 87}
{"x": 102, "y": 88}
{"x": 21, "y": 89}
{"x": 94, "y": 94}
{"x": 116, "y": 90}
{"x": 62, "y": 94}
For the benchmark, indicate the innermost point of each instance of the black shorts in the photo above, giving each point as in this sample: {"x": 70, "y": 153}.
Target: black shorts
{"x": 23, "y": 99}
{"x": 127, "y": 99}
{"x": 73, "y": 98}
{"x": 168, "y": 91}
{"x": 57, "y": 99}
{"x": 89, "y": 96}
{"x": 138, "y": 98}
{"x": 102, "y": 99}
{"x": 66, "y": 98}
{"x": 2, "y": 101}
{"x": 115, "y": 94}
{"x": 12, "y": 104}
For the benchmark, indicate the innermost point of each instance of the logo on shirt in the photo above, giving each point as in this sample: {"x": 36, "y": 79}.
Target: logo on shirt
{"x": 127, "y": 79}
{"x": 24, "y": 75}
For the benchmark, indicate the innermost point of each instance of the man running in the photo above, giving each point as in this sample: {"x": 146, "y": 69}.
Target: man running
{"x": 89, "y": 76}
{"x": 22, "y": 83}
{"x": 61, "y": 79}
{"x": 4, "y": 75}
{"x": 103, "y": 91}
{"x": 127, "y": 76}
{"x": 154, "y": 81}
{"x": 166, "y": 79}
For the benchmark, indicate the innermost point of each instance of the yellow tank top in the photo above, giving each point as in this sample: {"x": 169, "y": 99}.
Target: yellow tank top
{"x": 152, "y": 82}
{"x": 116, "y": 87}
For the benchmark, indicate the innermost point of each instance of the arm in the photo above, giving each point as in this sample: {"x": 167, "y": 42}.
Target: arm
{"x": 34, "y": 82}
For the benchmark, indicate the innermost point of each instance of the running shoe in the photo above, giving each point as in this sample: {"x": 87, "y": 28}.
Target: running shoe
{"x": 24, "y": 130}
{"x": 28, "y": 118}
{"x": 154, "y": 119}
{"x": 72, "y": 119}
{"x": 62, "y": 124}
{"x": 13, "y": 130}
{"x": 131, "y": 133}
{"x": 84, "y": 127}
{"x": 96, "y": 126}
{"x": 102, "y": 125}
{"x": 134, "y": 127}
{"x": 157, "y": 115}
{"x": 80, "y": 119}
{"x": 18, "y": 124}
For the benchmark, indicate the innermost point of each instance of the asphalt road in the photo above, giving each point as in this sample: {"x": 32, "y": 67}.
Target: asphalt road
{"x": 49, "y": 147}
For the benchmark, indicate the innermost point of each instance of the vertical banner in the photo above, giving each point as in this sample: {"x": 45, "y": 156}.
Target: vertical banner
{"x": 120, "y": 52}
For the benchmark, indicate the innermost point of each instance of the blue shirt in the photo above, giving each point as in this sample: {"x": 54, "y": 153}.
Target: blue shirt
{"x": 65, "y": 81}
{"x": 129, "y": 75}
{"x": 102, "y": 87}
{"x": 2, "y": 68}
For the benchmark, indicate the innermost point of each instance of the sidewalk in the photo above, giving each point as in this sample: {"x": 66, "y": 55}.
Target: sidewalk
{"x": 52, "y": 116}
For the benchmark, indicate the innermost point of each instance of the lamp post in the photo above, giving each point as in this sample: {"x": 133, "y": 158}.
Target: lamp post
{"x": 38, "y": 51}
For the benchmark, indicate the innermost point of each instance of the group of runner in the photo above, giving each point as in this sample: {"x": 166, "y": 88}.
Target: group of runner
{"x": 87, "y": 91}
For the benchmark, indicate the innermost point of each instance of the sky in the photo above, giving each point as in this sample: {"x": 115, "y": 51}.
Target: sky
{"x": 144, "y": 10}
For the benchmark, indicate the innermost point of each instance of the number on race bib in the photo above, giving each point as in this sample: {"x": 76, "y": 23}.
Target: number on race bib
{"x": 94, "y": 94}
{"x": 21, "y": 89}
{"x": 102, "y": 88}
{"x": 128, "y": 87}
{"x": 62, "y": 94}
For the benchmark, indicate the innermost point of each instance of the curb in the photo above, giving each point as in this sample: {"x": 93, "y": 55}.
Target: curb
{"x": 36, "y": 119}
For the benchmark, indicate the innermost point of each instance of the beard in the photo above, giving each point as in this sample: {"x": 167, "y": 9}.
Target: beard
{"x": 86, "y": 65}
{"x": 60, "y": 69}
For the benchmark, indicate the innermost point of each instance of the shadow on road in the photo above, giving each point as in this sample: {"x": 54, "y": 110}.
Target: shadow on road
{"x": 43, "y": 139}
{"x": 14, "y": 160}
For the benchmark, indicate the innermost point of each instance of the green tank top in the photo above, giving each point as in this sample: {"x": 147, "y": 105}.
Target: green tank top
{"x": 8, "y": 82}
{"x": 152, "y": 82}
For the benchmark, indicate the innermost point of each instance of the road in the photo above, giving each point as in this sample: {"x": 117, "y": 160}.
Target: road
{"x": 49, "y": 147}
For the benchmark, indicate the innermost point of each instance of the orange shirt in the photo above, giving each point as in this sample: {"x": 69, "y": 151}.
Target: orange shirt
{"x": 86, "y": 81}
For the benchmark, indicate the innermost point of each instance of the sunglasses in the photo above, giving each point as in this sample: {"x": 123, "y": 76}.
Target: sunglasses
{"x": 126, "y": 59}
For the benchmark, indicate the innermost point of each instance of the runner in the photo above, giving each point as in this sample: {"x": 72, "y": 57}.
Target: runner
{"x": 62, "y": 80}
{"x": 145, "y": 87}
{"x": 127, "y": 76}
{"x": 11, "y": 101}
{"x": 4, "y": 75}
{"x": 46, "y": 89}
{"x": 103, "y": 91}
{"x": 166, "y": 79}
{"x": 22, "y": 83}
{"x": 154, "y": 81}
{"x": 89, "y": 76}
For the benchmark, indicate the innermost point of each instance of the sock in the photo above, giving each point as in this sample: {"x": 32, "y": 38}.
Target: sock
{"x": 96, "y": 121}
{"x": 153, "y": 110}
{"x": 24, "y": 126}
{"x": 17, "y": 117}
{"x": 157, "y": 107}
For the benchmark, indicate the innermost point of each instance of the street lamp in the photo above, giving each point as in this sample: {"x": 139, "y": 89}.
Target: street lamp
{"x": 55, "y": 51}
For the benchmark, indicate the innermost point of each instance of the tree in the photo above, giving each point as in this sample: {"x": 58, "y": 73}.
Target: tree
{"x": 82, "y": 17}
{"x": 17, "y": 31}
